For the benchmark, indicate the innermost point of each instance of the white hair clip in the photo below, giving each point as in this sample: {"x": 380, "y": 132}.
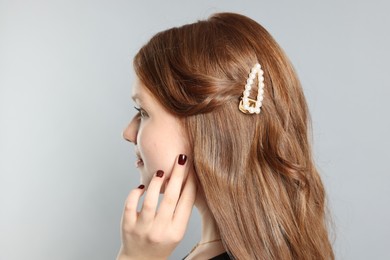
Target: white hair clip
{"x": 248, "y": 105}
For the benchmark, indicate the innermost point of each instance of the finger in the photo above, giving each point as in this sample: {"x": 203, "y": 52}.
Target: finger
{"x": 186, "y": 202}
{"x": 173, "y": 189}
{"x": 149, "y": 206}
{"x": 130, "y": 212}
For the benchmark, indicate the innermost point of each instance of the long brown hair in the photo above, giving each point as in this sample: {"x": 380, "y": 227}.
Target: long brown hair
{"x": 256, "y": 171}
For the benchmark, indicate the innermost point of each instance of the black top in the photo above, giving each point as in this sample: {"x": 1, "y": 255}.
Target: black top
{"x": 223, "y": 256}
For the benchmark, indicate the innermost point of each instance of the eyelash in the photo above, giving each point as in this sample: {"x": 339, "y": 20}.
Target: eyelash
{"x": 141, "y": 112}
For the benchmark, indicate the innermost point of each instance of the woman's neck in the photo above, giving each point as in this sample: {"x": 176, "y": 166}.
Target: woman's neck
{"x": 209, "y": 226}
{"x": 210, "y": 244}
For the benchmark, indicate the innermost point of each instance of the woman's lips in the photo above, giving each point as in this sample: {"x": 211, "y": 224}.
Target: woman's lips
{"x": 139, "y": 163}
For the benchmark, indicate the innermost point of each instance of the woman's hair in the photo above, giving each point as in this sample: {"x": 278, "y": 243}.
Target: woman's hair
{"x": 256, "y": 171}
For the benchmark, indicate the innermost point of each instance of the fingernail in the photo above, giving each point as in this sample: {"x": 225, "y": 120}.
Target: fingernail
{"x": 159, "y": 173}
{"x": 141, "y": 186}
{"x": 182, "y": 159}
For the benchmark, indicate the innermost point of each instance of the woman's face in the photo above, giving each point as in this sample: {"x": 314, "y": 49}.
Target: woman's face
{"x": 156, "y": 134}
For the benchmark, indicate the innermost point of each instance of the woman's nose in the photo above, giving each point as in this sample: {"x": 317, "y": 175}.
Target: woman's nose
{"x": 130, "y": 132}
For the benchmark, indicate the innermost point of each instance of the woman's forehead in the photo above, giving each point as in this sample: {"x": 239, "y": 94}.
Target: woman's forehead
{"x": 141, "y": 94}
{"x": 137, "y": 91}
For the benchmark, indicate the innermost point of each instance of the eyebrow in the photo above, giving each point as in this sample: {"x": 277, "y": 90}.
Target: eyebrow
{"x": 136, "y": 96}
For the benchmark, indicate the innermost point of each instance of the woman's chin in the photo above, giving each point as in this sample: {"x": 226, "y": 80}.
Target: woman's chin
{"x": 145, "y": 179}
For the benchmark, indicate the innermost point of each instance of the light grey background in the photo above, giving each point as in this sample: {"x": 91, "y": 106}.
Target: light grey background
{"x": 65, "y": 78}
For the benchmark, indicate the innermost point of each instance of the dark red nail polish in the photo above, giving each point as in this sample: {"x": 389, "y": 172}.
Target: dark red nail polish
{"x": 182, "y": 159}
{"x": 141, "y": 186}
{"x": 159, "y": 173}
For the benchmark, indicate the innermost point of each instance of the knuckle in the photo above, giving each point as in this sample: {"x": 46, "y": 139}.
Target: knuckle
{"x": 129, "y": 207}
{"x": 176, "y": 237}
{"x": 155, "y": 238}
{"x": 170, "y": 200}
{"x": 137, "y": 233}
{"x": 127, "y": 228}
{"x": 178, "y": 231}
{"x": 133, "y": 232}
{"x": 147, "y": 206}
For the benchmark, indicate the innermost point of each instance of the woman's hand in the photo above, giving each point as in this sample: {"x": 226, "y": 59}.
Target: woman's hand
{"x": 151, "y": 233}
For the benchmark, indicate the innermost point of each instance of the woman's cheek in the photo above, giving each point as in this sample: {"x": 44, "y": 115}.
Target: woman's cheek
{"x": 158, "y": 156}
{"x": 159, "y": 149}
{"x": 149, "y": 146}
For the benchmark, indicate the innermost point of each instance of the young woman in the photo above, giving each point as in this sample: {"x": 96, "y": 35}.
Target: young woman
{"x": 223, "y": 125}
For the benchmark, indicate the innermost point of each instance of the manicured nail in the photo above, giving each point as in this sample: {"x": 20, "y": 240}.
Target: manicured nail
{"x": 159, "y": 173}
{"x": 141, "y": 186}
{"x": 182, "y": 159}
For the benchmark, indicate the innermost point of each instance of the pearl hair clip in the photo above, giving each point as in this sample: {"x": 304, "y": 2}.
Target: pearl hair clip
{"x": 248, "y": 105}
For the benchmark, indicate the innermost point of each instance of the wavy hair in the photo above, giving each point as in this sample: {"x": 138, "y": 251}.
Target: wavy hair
{"x": 256, "y": 171}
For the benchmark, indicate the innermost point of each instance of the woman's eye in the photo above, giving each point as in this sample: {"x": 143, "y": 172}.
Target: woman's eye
{"x": 141, "y": 112}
